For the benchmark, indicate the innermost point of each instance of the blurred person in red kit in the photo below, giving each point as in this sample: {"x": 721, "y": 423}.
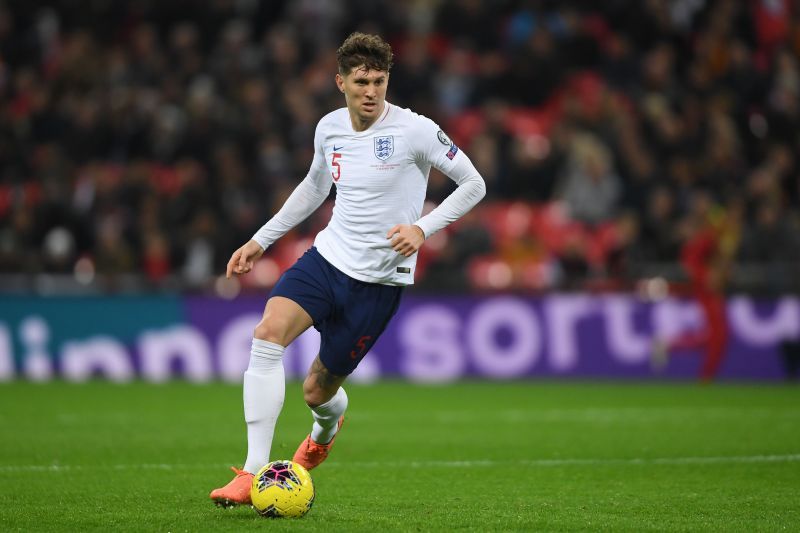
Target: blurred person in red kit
{"x": 707, "y": 255}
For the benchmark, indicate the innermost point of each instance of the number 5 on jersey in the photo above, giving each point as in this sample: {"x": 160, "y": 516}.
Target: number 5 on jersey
{"x": 338, "y": 166}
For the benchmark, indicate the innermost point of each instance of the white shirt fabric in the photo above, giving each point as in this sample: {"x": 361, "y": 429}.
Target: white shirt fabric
{"x": 381, "y": 175}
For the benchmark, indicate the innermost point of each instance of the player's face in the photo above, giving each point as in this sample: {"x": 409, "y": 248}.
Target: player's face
{"x": 365, "y": 92}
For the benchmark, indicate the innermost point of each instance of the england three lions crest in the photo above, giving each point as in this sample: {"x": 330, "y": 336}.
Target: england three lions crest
{"x": 384, "y": 147}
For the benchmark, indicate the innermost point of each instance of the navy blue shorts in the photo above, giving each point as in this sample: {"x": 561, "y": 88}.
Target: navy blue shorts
{"x": 349, "y": 314}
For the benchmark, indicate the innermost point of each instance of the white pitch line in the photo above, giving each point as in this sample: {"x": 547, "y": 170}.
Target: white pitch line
{"x": 786, "y": 458}
{"x": 143, "y": 466}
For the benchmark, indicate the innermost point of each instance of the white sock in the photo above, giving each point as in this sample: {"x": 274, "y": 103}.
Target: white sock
{"x": 264, "y": 391}
{"x": 326, "y": 417}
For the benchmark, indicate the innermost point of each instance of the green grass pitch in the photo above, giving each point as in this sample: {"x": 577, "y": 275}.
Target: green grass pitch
{"x": 470, "y": 456}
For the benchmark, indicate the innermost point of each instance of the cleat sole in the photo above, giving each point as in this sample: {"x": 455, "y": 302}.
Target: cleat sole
{"x": 225, "y": 503}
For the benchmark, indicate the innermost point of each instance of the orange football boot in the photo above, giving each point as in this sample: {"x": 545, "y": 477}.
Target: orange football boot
{"x": 237, "y": 492}
{"x": 310, "y": 454}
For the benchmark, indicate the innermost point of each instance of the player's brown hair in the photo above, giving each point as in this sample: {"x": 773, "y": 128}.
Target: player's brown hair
{"x": 359, "y": 49}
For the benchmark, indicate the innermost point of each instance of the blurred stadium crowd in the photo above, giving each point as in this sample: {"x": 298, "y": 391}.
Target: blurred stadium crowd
{"x": 142, "y": 141}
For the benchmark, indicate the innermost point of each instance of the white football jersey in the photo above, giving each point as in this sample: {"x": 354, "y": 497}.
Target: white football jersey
{"x": 381, "y": 175}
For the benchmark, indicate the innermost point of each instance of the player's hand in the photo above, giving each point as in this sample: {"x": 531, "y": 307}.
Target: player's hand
{"x": 243, "y": 259}
{"x": 406, "y": 239}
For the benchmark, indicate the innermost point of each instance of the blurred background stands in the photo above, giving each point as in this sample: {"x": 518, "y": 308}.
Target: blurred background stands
{"x": 141, "y": 142}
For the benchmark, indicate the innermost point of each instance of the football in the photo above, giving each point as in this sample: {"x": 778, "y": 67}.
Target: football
{"x": 282, "y": 489}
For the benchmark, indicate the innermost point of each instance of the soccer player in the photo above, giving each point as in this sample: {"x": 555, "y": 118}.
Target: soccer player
{"x": 706, "y": 256}
{"x": 348, "y": 285}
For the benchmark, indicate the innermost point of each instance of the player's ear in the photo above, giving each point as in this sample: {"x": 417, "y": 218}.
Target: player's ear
{"x": 340, "y": 82}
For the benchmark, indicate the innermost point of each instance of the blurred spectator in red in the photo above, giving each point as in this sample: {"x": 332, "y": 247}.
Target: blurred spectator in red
{"x": 156, "y": 261}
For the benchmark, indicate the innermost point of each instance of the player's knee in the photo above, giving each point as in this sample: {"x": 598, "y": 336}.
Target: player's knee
{"x": 272, "y": 329}
{"x": 314, "y": 396}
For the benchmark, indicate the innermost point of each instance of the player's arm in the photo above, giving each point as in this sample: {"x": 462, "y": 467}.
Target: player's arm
{"x": 434, "y": 147}
{"x": 471, "y": 189}
{"x": 303, "y": 201}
